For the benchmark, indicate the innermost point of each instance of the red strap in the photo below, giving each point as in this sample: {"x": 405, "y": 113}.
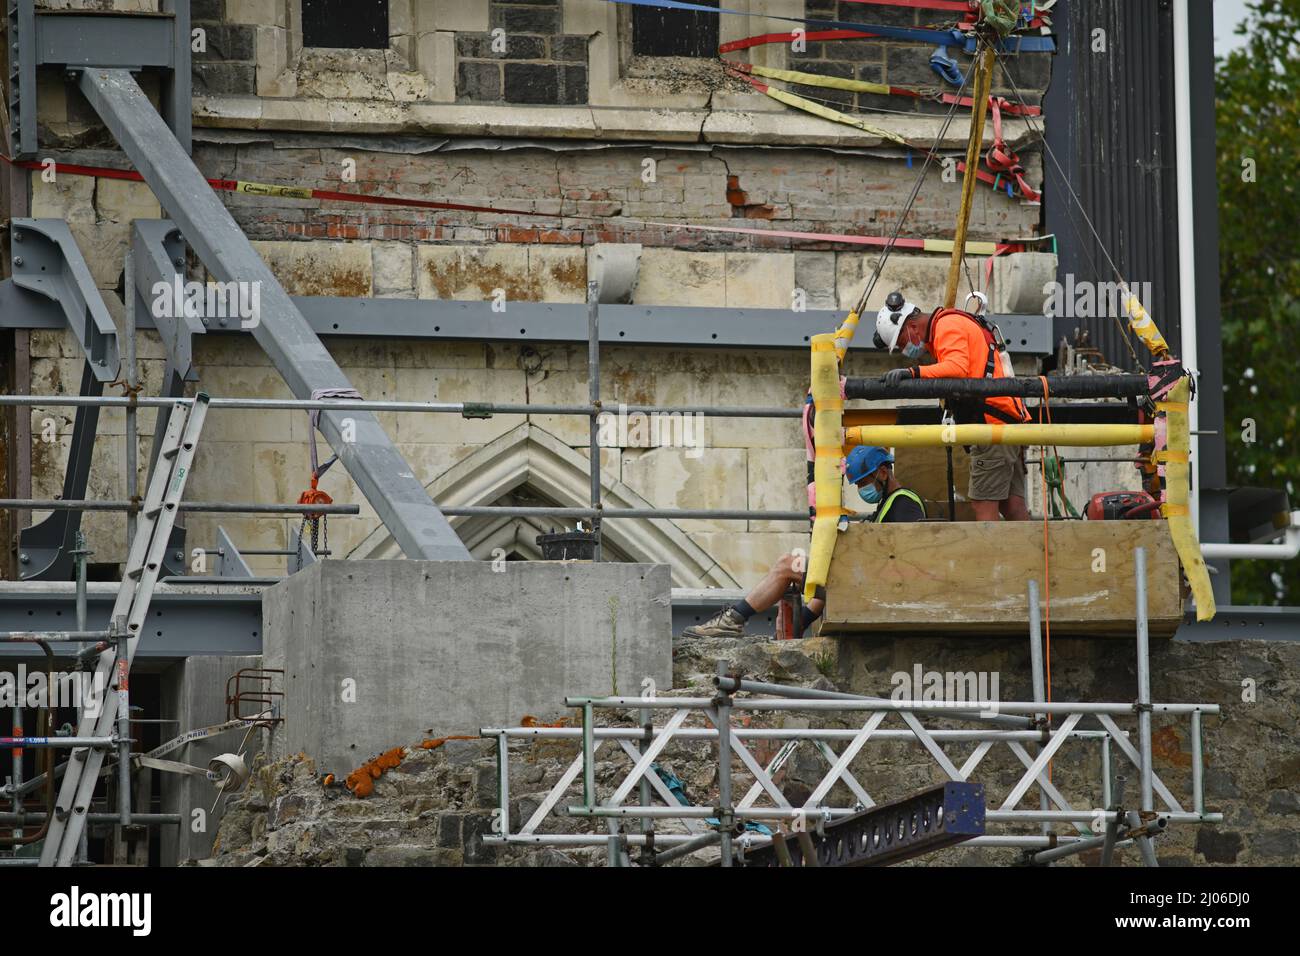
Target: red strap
{"x": 1003, "y": 160}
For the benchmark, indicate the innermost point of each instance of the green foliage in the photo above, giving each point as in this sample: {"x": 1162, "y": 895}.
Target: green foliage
{"x": 1258, "y": 135}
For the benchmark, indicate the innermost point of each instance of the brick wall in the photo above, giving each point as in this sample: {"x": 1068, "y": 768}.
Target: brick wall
{"x": 900, "y": 62}
{"x": 229, "y": 64}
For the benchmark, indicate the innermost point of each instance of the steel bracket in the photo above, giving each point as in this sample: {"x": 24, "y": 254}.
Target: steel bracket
{"x": 922, "y": 823}
{"x": 69, "y": 39}
{"x": 158, "y": 251}
{"x": 47, "y": 262}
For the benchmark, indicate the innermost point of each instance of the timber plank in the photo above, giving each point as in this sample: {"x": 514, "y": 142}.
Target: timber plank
{"x": 972, "y": 577}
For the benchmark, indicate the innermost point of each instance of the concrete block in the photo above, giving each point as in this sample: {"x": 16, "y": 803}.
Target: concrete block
{"x": 759, "y": 280}
{"x": 383, "y": 653}
{"x": 690, "y": 478}
{"x": 194, "y": 693}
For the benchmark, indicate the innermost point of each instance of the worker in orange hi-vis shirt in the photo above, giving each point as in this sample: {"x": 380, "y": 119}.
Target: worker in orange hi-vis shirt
{"x": 964, "y": 345}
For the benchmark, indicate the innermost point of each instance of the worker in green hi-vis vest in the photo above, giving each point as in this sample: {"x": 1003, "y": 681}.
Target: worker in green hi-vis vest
{"x": 871, "y": 469}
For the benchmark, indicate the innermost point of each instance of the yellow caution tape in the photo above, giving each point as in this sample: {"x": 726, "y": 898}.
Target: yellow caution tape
{"x": 264, "y": 189}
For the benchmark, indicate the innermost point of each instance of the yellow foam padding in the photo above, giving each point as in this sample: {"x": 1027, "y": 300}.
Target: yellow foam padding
{"x": 844, "y": 335}
{"x": 828, "y": 437}
{"x": 1177, "y": 494}
{"x": 1074, "y": 436}
{"x": 835, "y": 116}
{"x": 1139, "y": 320}
{"x": 816, "y": 79}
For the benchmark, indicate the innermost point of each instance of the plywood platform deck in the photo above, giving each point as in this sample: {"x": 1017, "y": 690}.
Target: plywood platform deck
{"x": 972, "y": 577}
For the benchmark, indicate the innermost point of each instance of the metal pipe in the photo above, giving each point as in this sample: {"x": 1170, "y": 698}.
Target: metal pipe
{"x": 593, "y": 513}
{"x": 1198, "y": 769}
{"x": 54, "y": 637}
{"x": 916, "y": 706}
{"x": 468, "y": 409}
{"x": 63, "y": 742}
{"x": 588, "y": 757}
{"x": 1144, "y": 679}
{"x": 1036, "y": 673}
{"x": 503, "y": 781}
{"x": 130, "y": 373}
{"x": 214, "y": 507}
{"x": 784, "y": 733}
{"x": 1284, "y": 550}
{"x": 80, "y": 554}
{"x": 124, "y": 737}
{"x": 137, "y": 818}
{"x": 1106, "y": 787}
{"x": 593, "y": 393}
{"x": 810, "y": 693}
{"x": 16, "y": 777}
{"x": 687, "y": 848}
{"x": 726, "y": 812}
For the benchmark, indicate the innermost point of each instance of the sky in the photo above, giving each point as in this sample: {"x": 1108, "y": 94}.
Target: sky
{"x": 1227, "y": 14}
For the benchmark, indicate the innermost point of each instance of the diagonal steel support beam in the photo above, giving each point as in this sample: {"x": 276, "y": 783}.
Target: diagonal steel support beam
{"x": 380, "y": 471}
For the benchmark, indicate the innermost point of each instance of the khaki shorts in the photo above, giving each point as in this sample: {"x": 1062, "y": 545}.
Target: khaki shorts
{"x": 997, "y": 472}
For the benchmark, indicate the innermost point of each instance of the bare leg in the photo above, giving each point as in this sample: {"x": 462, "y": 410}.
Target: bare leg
{"x": 1013, "y": 509}
{"x": 768, "y": 591}
{"x": 987, "y": 510}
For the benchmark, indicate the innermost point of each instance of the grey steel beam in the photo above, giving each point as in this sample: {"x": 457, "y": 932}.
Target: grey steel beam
{"x": 131, "y": 40}
{"x": 158, "y": 253}
{"x": 704, "y": 327}
{"x": 186, "y": 620}
{"x": 21, "y": 34}
{"x": 174, "y": 101}
{"x": 380, "y": 471}
{"x": 47, "y": 261}
{"x": 230, "y": 563}
{"x": 1240, "y": 623}
{"x": 45, "y": 548}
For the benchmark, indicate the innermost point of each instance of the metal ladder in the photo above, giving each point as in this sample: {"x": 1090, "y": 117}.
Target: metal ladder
{"x": 157, "y": 517}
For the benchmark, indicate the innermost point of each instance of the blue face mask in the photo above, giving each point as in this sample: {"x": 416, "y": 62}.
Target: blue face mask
{"x": 914, "y": 351}
{"x": 871, "y": 494}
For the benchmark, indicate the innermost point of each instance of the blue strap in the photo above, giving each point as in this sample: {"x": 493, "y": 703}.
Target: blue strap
{"x": 943, "y": 64}
{"x": 1032, "y": 44}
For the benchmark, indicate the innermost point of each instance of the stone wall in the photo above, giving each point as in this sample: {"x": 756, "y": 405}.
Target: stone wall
{"x": 267, "y": 110}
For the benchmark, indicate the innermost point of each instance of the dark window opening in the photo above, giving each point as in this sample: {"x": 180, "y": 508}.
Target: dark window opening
{"x": 666, "y": 32}
{"x": 346, "y": 24}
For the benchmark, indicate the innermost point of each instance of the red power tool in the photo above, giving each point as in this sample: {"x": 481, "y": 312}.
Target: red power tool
{"x": 1119, "y": 505}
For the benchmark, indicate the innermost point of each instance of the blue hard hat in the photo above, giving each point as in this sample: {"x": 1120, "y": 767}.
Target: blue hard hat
{"x": 865, "y": 460}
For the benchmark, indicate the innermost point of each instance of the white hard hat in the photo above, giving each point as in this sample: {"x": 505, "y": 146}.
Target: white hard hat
{"x": 890, "y": 319}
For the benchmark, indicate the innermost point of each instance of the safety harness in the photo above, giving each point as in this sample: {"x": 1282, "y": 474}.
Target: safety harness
{"x": 973, "y": 410}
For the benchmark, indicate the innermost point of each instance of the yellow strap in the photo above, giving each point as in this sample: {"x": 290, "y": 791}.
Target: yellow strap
{"x": 835, "y": 453}
{"x": 1172, "y": 456}
{"x": 830, "y": 512}
{"x": 816, "y": 79}
{"x": 829, "y": 404}
{"x": 827, "y": 345}
{"x": 825, "y": 112}
{"x": 1174, "y": 511}
{"x": 1171, "y": 406}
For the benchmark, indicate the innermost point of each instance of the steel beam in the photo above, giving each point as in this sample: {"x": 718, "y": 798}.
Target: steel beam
{"x": 45, "y": 548}
{"x": 925, "y": 822}
{"x": 47, "y": 261}
{"x": 695, "y": 326}
{"x": 380, "y": 471}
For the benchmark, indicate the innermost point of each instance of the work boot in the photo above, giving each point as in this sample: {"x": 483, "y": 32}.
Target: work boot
{"x": 726, "y": 623}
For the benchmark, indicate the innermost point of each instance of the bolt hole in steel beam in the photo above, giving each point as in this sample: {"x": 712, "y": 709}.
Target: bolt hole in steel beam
{"x": 374, "y": 463}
